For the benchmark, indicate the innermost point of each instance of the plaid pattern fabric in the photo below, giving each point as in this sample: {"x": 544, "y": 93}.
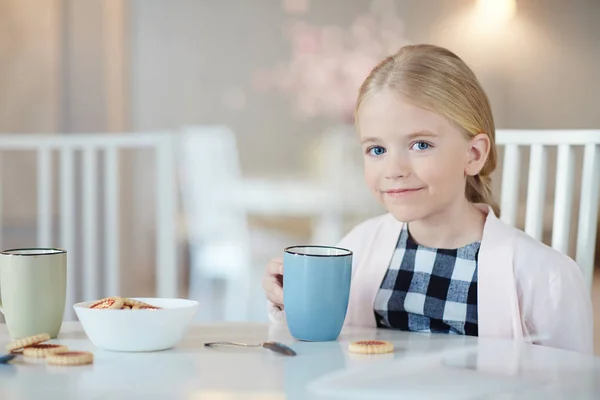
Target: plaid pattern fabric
{"x": 429, "y": 290}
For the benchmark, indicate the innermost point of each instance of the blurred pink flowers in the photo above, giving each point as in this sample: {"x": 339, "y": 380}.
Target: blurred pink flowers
{"x": 328, "y": 63}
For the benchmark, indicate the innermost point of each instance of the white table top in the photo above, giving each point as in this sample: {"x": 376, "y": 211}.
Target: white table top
{"x": 422, "y": 366}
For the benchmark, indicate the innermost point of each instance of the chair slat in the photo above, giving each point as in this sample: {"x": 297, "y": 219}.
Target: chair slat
{"x": 510, "y": 187}
{"x": 588, "y": 211}
{"x": 67, "y": 225}
{"x": 166, "y": 256}
{"x": 111, "y": 221}
{"x": 90, "y": 236}
{"x": 44, "y": 197}
{"x": 563, "y": 198}
{"x": 536, "y": 189}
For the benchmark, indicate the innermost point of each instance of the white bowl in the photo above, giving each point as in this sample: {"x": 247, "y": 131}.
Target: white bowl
{"x": 137, "y": 330}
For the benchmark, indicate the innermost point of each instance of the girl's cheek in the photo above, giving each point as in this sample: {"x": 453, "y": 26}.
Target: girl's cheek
{"x": 371, "y": 182}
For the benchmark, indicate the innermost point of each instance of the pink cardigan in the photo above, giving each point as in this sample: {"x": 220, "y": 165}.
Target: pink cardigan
{"x": 527, "y": 291}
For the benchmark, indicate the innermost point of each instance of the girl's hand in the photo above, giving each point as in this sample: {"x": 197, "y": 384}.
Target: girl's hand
{"x": 273, "y": 282}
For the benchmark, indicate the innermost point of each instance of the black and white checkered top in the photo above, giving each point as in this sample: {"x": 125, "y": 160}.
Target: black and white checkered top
{"x": 429, "y": 290}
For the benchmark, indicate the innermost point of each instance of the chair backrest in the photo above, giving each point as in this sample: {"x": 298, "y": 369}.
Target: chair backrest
{"x": 218, "y": 233}
{"x": 567, "y": 143}
{"x": 93, "y": 234}
{"x": 210, "y": 177}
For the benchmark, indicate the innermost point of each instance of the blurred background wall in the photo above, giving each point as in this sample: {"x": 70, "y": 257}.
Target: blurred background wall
{"x": 84, "y": 65}
{"x": 279, "y": 73}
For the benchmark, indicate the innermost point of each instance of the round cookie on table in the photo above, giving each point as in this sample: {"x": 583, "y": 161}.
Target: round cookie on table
{"x": 20, "y": 344}
{"x": 70, "y": 358}
{"x": 371, "y": 347}
{"x": 42, "y": 350}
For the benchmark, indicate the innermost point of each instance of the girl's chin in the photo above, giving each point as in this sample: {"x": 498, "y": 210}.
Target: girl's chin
{"x": 408, "y": 213}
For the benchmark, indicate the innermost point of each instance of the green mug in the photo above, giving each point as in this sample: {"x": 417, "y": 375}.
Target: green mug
{"x": 33, "y": 289}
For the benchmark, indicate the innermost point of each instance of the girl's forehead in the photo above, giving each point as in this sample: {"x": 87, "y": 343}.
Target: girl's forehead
{"x": 386, "y": 113}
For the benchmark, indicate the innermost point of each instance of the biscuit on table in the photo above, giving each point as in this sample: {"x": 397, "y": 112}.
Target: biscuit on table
{"x": 42, "y": 350}
{"x": 371, "y": 347}
{"x": 27, "y": 341}
{"x": 70, "y": 358}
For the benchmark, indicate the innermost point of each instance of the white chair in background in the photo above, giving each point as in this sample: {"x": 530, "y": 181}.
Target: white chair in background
{"x": 217, "y": 228}
{"x": 539, "y": 142}
{"x": 91, "y": 280}
{"x": 217, "y": 201}
{"x": 340, "y": 173}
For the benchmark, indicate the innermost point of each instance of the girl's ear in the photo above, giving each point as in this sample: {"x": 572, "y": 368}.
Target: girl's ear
{"x": 478, "y": 149}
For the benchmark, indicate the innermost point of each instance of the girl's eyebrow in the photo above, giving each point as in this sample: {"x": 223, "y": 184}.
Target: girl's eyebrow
{"x": 411, "y": 136}
{"x": 369, "y": 140}
{"x": 421, "y": 134}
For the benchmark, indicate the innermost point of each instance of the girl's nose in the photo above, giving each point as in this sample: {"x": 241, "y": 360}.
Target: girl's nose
{"x": 396, "y": 167}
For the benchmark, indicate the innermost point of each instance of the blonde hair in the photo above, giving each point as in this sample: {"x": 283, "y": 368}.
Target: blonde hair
{"x": 436, "y": 79}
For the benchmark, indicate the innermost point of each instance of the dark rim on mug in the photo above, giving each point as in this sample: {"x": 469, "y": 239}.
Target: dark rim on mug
{"x": 290, "y": 250}
{"x": 34, "y": 251}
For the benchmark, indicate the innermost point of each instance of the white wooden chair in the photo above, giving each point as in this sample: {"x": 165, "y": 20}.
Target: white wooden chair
{"x": 217, "y": 229}
{"x": 90, "y": 280}
{"x": 340, "y": 165}
{"x": 568, "y": 143}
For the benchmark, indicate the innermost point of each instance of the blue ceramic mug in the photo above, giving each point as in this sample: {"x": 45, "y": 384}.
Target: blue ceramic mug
{"x": 316, "y": 290}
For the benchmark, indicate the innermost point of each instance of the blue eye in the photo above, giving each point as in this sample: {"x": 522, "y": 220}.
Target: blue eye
{"x": 376, "y": 150}
{"x": 420, "y": 146}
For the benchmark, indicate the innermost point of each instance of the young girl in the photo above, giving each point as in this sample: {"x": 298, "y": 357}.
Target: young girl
{"x": 441, "y": 261}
